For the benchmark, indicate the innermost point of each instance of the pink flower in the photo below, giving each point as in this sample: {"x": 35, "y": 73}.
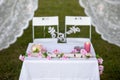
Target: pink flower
{"x": 40, "y": 55}
{"x": 77, "y": 48}
{"x": 56, "y": 51}
{"x": 83, "y": 51}
{"x": 21, "y": 58}
{"x": 101, "y": 68}
{"x": 74, "y": 51}
{"x": 48, "y": 57}
{"x": 100, "y": 60}
{"x": 43, "y": 50}
{"x": 29, "y": 54}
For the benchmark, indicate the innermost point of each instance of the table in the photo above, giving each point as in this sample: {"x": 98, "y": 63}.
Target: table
{"x": 72, "y": 69}
{"x": 34, "y": 68}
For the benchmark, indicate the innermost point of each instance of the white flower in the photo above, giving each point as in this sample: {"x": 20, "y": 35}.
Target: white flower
{"x": 36, "y": 48}
{"x": 88, "y": 55}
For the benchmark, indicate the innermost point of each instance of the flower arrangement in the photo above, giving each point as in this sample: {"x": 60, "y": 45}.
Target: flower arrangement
{"x": 38, "y": 50}
{"x": 100, "y": 63}
{"x": 81, "y": 52}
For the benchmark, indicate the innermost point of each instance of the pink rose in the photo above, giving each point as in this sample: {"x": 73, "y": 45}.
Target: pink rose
{"x": 77, "y": 48}
{"x": 43, "y": 50}
{"x": 40, "y": 55}
{"x": 101, "y": 67}
{"x": 100, "y": 60}
{"x": 56, "y": 51}
{"x": 29, "y": 54}
{"x": 83, "y": 51}
{"x": 21, "y": 58}
{"x": 48, "y": 57}
{"x": 74, "y": 51}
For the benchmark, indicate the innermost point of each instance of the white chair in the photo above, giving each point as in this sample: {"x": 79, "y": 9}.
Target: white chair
{"x": 44, "y": 22}
{"x": 77, "y": 21}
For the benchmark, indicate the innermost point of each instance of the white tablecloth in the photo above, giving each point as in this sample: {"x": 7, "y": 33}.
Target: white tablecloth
{"x": 56, "y": 69}
{"x": 71, "y": 69}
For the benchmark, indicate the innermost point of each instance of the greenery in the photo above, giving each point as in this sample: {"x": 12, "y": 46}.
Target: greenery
{"x": 45, "y": 55}
{"x": 37, "y": 50}
{"x": 10, "y": 65}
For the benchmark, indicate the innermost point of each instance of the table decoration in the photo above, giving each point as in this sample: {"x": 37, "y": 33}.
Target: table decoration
{"x": 100, "y": 63}
{"x": 87, "y": 46}
{"x": 38, "y": 50}
{"x": 77, "y": 48}
{"x": 21, "y": 58}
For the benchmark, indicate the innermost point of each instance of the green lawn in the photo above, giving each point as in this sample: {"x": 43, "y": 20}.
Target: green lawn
{"x": 10, "y": 65}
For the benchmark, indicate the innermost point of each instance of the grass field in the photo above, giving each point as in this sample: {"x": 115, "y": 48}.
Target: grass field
{"x": 10, "y": 65}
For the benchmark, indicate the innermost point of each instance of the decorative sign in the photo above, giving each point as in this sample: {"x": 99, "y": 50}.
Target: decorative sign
{"x": 73, "y": 30}
{"x": 61, "y": 36}
{"x": 52, "y": 31}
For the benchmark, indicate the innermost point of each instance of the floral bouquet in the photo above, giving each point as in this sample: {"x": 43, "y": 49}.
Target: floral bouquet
{"x": 80, "y": 52}
{"x": 100, "y": 63}
{"x": 36, "y": 49}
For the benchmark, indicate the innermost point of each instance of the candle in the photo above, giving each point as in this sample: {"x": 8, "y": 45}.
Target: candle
{"x": 87, "y": 46}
